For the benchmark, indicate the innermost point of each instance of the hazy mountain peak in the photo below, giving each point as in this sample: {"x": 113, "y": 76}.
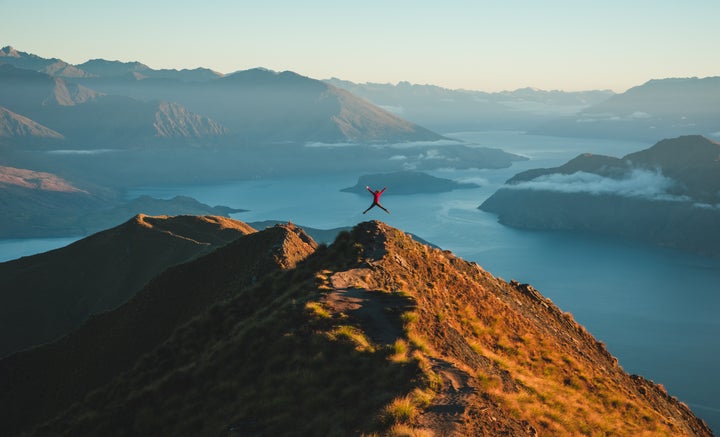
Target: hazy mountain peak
{"x": 70, "y": 94}
{"x": 10, "y": 52}
{"x": 175, "y": 121}
{"x": 106, "y": 68}
{"x": 16, "y": 126}
{"x": 686, "y": 150}
{"x": 265, "y": 76}
{"x": 257, "y": 105}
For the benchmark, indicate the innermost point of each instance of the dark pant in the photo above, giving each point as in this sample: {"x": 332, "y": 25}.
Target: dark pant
{"x": 378, "y": 205}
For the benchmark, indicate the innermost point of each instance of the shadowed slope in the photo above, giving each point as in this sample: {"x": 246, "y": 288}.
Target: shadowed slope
{"x": 111, "y": 343}
{"x": 44, "y": 296}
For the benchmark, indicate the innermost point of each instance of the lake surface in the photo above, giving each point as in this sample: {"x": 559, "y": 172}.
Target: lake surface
{"x": 655, "y": 309}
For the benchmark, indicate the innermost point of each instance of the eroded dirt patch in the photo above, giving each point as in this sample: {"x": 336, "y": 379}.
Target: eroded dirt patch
{"x": 377, "y": 313}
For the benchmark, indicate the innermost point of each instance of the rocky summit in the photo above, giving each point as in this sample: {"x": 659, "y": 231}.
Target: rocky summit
{"x": 375, "y": 334}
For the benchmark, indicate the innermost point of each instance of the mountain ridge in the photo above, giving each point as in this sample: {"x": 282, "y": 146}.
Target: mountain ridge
{"x": 18, "y": 126}
{"x": 448, "y": 110}
{"x": 255, "y": 105}
{"x": 98, "y": 273}
{"x": 375, "y": 333}
{"x": 659, "y": 108}
{"x": 121, "y": 336}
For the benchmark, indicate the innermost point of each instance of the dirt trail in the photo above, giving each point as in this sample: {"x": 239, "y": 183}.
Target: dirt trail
{"x": 377, "y": 313}
{"x": 446, "y": 412}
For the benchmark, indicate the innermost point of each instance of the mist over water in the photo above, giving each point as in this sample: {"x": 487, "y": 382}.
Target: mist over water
{"x": 655, "y": 309}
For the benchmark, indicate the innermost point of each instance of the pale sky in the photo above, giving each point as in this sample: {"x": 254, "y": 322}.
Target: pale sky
{"x": 479, "y": 45}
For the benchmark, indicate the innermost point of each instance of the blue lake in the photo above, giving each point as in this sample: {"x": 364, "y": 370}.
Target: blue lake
{"x": 655, "y": 309}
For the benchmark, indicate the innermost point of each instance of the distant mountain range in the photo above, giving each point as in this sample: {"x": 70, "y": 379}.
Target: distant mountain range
{"x": 447, "y": 110}
{"x": 273, "y": 334}
{"x": 661, "y": 108}
{"x": 260, "y": 105}
{"x": 119, "y": 104}
{"x": 668, "y": 194}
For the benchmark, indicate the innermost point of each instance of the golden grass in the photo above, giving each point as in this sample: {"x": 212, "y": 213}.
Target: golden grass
{"x": 547, "y": 382}
{"x": 423, "y": 397}
{"x": 403, "y": 430}
{"x": 400, "y": 410}
{"x": 353, "y": 334}
{"x": 317, "y": 310}
{"x": 400, "y": 351}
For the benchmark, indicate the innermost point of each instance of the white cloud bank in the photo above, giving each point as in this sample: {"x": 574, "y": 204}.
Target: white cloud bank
{"x": 639, "y": 183}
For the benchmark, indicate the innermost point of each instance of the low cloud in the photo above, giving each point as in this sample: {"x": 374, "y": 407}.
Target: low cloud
{"x": 436, "y": 143}
{"x": 707, "y": 206}
{"x": 81, "y": 152}
{"x": 639, "y": 183}
{"x": 393, "y": 109}
{"x": 477, "y": 180}
{"x": 330, "y": 145}
{"x": 595, "y": 117}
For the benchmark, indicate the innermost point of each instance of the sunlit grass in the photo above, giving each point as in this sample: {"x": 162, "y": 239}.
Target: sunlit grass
{"x": 544, "y": 382}
{"x": 354, "y": 335}
{"x": 400, "y": 410}
{"x": 400, "y": 351}
{"x": 317, "y": 310}
{"x": 403, "y": 430}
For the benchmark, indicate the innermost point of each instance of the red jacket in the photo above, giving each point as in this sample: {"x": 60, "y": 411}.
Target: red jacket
{"x": 376, "y": 194}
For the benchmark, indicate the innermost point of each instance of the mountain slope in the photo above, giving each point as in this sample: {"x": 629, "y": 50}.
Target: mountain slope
{"x": 29, "y": 92}
{"x": 374, "y": 334}
{"x": 120, "y": 337}
{"x": 33, "y": 200}
{"x": 446, "y": 110}
{"x": 16, "y": 126}
{"x": 175, "y": 121}
{"x": 115, "y": 70}
{"x": 53, "y": 67}
{"x": 667, "y": 194}
{"x": 89, "y": 118}
{"x": 10, "y": 176}
{"x": 691, "y": 161}
{"x": 358, "y": 120}
{"x": 44, "y": 296}
{"x": 256, "y": 105}
{"x": 263, "y": 105}
{"x": 661, "y": 108}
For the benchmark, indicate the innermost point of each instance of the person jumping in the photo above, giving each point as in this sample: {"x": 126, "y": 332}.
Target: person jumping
{"x": 376, "y": 199}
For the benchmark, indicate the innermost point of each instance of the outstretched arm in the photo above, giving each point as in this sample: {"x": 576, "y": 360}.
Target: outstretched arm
{"x": 369, "y": 189}
{"x": 382, "y": 191}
